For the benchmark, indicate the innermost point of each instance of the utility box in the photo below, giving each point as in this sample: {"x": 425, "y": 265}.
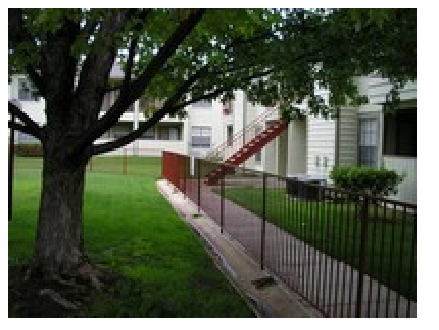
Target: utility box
{"x": 302, "y": 186}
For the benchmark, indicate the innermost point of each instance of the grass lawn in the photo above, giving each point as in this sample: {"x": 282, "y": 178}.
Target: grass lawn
{"x": 333, "y": 229}
{"x": 145, "y": 166}
{"x": 129, "y": 228}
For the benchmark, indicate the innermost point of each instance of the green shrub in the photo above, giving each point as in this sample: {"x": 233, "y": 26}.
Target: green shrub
{"x": 28, "y": 150}
{"x": 377, "y": 182}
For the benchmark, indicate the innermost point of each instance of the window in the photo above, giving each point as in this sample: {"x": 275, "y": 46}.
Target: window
{"x": 229, "y": 135}
{"x": 258, "y": 157}
{"x": 173, "y": 133}
{"x": 169, "y": 133}
{"x": 202, "y": 104}
{"x": 149, "y": 134}
{"x": 120, "y": 130}
{"x": 368, "y": 141}
{"x": 163, "y": 133}
{"x": 201, "y": 136}
{"x": 400, "y": 133}
{"x": 26, "y": 90}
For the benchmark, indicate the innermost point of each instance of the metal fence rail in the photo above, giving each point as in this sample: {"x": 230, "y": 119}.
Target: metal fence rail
{"x": 349, "y": 255}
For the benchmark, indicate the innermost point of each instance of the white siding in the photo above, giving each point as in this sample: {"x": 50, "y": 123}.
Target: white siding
{"x": 209, "y": 116}
{"x": 320, "y": 143}
{"x": 407, "y": 190}
{"x": 35, "y": 110}
{"x": 148, "y": 148}
{"x": 378, "y": 88}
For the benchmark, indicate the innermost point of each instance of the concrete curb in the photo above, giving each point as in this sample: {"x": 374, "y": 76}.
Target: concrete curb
{"x": 231, "y": 259}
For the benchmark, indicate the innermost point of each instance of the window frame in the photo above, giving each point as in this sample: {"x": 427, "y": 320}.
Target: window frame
{"x": 199, "y": 130}
{"x": 374, "y": 116}
{"x": 27, "y": 94}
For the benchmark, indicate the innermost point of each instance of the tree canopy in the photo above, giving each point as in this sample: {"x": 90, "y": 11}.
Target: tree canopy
{"x": 185, "y": 55}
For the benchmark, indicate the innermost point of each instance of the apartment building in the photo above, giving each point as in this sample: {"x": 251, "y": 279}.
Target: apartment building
{"x": 362, "y": 135}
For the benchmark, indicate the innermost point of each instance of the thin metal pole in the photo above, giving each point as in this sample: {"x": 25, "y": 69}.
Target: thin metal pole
{"x": 223, "y": 174}
{"x": 185, "y": 173}
{"x": 320, "y": 204}
{"x": 363, "y": 231}
{"x": 198, "y": 183}
{"x": 411, "y": 267}
{"x": 390, "y": 271}
{"x": 372, "y": 252}
{"x": 11, "y": 167}
{"x": 264, "y": 184}
{"x": 124, "y": 161}
{"x": 401, "y": 253}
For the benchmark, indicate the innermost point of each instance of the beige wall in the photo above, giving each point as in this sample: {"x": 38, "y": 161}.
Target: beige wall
{"x": 269, "y": 157}
{"x": 296, "y": 162}
{"x": 282, "y": 153}
{"x": 347, "y": 127}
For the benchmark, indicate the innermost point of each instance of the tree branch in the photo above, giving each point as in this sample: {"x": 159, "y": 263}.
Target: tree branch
{"x": 18, "y": 34}
{"x": 130, "y": 63}
{"x": 218, "y": 91}
{"x": 158, "y": 115}
{"x": 112, "y": 89}
{"x": 32, "y": 126}
{"x": 169, "y": 107}
{"x": 98, "y": 63}
{"x": 136, "y": 88}
{"x": 141, "y": 18}
{"x": 22, "y": 128}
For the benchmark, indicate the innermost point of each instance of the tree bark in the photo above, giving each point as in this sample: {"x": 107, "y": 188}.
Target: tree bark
{"x": 58, "y": 246}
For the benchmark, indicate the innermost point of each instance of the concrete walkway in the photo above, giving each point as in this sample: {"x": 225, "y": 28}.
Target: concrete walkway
{"x": 274, "y": 300}
{"x": 297, "y": 264}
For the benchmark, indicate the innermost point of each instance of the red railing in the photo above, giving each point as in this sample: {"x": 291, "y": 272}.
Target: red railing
{"x": 173, "y": 169}
{"x": 228, "y": 147}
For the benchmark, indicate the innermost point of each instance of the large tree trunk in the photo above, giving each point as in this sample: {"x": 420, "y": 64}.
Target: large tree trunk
{"x": 58, "y": 247}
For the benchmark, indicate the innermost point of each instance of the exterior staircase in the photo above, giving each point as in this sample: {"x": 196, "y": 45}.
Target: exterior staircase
{"x": 247, "y": 150}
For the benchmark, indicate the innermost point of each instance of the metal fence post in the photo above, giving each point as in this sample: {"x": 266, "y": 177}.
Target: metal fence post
{"x": 364, "y": 218}
{"x": 11, "y": 166}
{"x": 124, "y": 161}
{"x": 264, "y": 184}
{"x": 223, "y": 173}
{"x": 185, "y": 159}
{"x": 198, "y": 183}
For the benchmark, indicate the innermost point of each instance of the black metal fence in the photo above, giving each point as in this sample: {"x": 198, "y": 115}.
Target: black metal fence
{"x": 349, "y": 255}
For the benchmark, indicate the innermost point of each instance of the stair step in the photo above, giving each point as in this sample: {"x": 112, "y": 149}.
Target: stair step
{"x": 248, "y": 149}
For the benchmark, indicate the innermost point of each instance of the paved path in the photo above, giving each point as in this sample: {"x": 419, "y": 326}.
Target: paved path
{"x": 271, "y": 301}
{"x": 329, "y": 284}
